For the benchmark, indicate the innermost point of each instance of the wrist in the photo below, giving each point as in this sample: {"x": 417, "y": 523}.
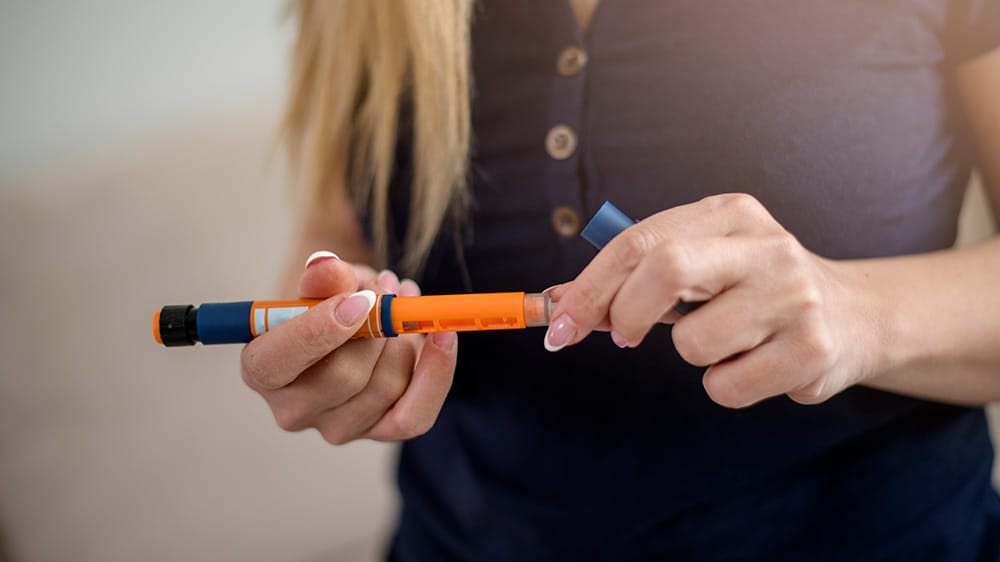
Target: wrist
{"x": 878, "y": 320}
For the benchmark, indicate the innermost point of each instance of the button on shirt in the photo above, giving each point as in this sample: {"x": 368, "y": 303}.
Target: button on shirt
{"x": 571, "y": 60}
{"x": 832, "y": 115}
{"x": 560, "y": 142}
{"x": 566, "y": 222}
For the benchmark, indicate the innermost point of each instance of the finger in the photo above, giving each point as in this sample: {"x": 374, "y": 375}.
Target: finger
{"x": 585, "y": 303}
{"x": 414, "y": 413}
{"x": 409, "y": 288}
{"x": 278, "y": 356}
{"x": 327, "y": 275}
{"x": 389, "y": 379}
{"x": 727, "y": 214}
{"x": 686, "y": 269}
{"x": 387, "y": 282}
{"x": 329, "y": 383}
{"x": 730, "y": 324}
{"x": 555, "y": 293}
{"x": 366, "y": 276}
{"x": 772, "y": 369}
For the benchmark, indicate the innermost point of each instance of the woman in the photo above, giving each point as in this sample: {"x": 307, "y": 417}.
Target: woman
{"x": 826, "y": 402}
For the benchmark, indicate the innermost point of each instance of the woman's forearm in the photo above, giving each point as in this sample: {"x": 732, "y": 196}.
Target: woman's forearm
{"x": 941, "y": 331}
{"x": 936, "y": 322}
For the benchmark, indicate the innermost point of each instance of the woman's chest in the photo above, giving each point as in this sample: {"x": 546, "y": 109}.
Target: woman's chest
{"x": 835, "y": 114}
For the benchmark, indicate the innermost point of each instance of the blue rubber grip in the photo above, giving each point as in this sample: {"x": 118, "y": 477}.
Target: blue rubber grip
{"x": 224, "y": 322}
{"x": 385, "y": 316}
{"x": 609, "y": 221}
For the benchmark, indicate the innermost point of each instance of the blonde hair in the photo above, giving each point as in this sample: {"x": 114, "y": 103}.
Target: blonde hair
{"x": 355, "y": 64}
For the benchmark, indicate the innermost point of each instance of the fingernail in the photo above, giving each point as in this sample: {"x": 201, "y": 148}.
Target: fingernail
{"x": 619, "y": 339}
{"x": 355, "y": 307}
{"x": 445, "y": 340}
{"x": 560, "y": 333}
{"x": 387, "y": 281}
{"x": 322, "y": 254}
{"x": 409, "y": 288}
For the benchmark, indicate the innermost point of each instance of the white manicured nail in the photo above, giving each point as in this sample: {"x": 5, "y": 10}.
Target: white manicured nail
{"x": 322, "y": 254}
{"x": 355, "y": 307}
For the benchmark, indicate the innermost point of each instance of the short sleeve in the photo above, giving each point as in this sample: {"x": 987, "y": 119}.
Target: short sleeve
{"x": 974, "y": 28}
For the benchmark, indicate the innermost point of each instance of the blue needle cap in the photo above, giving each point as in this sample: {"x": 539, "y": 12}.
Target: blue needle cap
{"x": 605, "y": 225}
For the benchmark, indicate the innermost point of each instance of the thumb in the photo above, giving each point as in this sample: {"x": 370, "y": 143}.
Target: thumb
{"x": 326, "y": 275}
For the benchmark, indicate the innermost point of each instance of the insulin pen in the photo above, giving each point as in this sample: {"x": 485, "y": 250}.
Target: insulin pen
{"x": 390, "y": 316}
{"x": 240, "y": 322}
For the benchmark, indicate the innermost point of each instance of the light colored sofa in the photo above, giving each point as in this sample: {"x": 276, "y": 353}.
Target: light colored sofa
{"x": 115, "y": 449}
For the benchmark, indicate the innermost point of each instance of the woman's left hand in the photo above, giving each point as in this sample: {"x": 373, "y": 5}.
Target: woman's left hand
{"x": 779, "y": 319}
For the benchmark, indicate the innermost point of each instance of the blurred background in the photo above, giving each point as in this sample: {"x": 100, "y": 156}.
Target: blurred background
{"x": 138, "y": 167}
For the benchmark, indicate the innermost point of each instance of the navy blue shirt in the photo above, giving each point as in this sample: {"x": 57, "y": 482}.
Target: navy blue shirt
{"x": 840, "y": 116}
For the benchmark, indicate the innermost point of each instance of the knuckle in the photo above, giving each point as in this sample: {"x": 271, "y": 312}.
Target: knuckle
{"x": 387, "y": 389}
{"x": 818, "y": 346}
{"x": 345, "y": 374}
{"x": 674, "y": 260}
{"x": 786, "y": 253}
{"x": 742, "y": 203}
{"x": 352, "y": 381}
{"x": 786, "y": 248}
{"x": 716, "y": 202}
{"x": 809, "y": 302}
{"x": 635, "y": 244}
{"x": 251, "y": 370}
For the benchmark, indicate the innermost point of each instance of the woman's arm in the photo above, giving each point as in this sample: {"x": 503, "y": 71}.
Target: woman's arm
{"x": 781, "y": 320}
{"x": 945, "y": 337}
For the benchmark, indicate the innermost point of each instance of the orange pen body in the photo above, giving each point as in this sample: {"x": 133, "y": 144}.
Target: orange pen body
{"x": 423, "y": 314}
{"x": 458, "y": 313}
{"x": 240, "y": 322}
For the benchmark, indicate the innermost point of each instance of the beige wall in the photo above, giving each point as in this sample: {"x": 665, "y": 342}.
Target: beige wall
{"x": 82, "y": 77}
{"x": 977, "y": 221}
{"x": 115, "y": 449}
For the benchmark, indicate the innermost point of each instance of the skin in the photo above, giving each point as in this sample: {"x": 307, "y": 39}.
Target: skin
{"x": 312, "y": 376}
{"x": 926, "y": 326}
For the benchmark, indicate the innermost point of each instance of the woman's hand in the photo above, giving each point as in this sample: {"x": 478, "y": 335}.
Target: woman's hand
{"x": 779, "y": 319}
{"x": 312, "y": 375}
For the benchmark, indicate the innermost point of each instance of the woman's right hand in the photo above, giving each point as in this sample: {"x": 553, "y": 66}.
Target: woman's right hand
{"x": 312, "y": 374}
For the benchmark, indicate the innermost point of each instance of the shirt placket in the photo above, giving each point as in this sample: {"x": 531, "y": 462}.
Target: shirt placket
{"x": 563, "y": 139}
